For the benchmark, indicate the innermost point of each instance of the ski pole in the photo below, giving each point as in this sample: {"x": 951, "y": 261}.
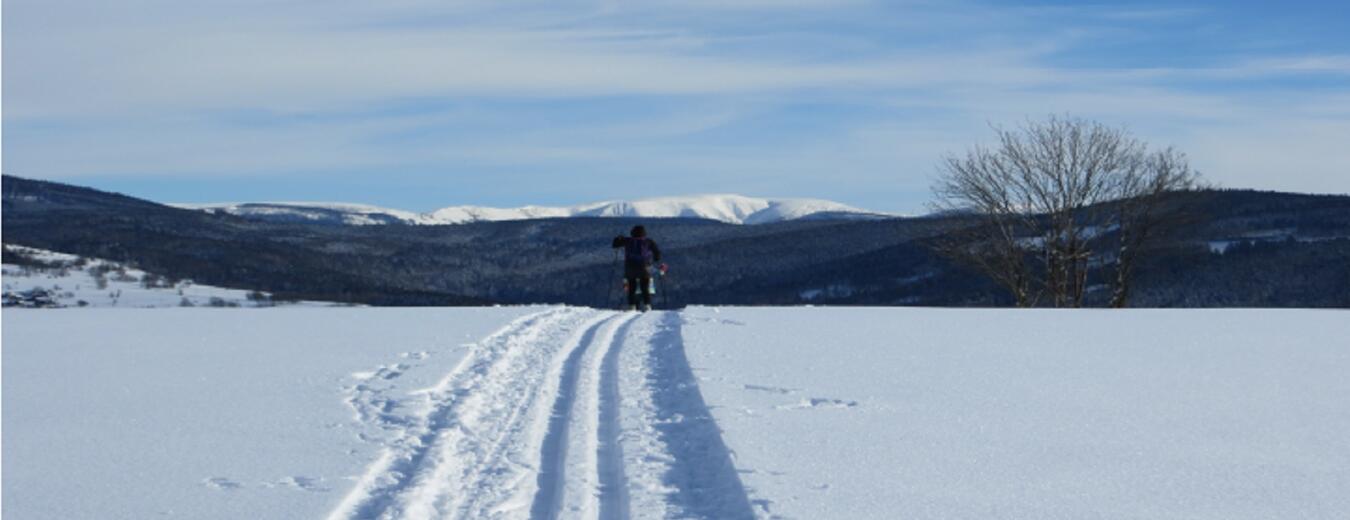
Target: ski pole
{"x": 661, "y": 281}
{"x": 609, "y": 282}
{"x": 665, "y": 292}
{"x": 666, "y": 286}
{"x": 677, "y": 300}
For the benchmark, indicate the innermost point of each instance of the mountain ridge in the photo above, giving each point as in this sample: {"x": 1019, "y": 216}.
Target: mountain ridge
{"x": 728, "y": 208}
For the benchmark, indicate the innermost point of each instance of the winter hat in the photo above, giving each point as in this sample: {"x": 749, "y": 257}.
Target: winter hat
{"x": 638, "y": 232}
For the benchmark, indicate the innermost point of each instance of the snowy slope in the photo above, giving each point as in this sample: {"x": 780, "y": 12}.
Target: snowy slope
{"x": 321, "y": 212}
{"x": 73, "y": 281}
{"x": 734, "y": 209}
{"x": 560, "y": 412}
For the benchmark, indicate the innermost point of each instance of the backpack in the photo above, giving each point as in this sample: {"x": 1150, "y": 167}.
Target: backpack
{"x": 638, "y": 250}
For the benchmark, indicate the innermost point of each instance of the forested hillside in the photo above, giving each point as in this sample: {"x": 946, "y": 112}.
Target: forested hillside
{"x": 1249, "y": 249}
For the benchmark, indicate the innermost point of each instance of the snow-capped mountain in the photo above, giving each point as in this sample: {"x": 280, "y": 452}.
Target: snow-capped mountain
{"x": 733, "y": 209}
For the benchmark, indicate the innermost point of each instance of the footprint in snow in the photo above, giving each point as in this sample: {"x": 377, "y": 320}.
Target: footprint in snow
{"x": 716, "y": 321}
{"x": 818, "y": 402}
{"x": 304, "y": 483}
{"x": 384, "y": 372}
{"x": 221, "y": 483}
{"x": 392, "y": 372}
{"x": 772, "y": 389}
{"x": 298, "y": 483}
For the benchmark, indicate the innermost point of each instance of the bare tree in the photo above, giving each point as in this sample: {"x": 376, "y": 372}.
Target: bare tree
{"x": 990, "y": 241}
{"x": 1143, "y": 215}
{"x": 1041, "y": 199}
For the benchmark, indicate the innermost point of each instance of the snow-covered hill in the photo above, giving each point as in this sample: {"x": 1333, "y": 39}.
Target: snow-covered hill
{"x": 733, "y": 209}
{"x": 51, "y": 279}
{"x": 315, "y": 212}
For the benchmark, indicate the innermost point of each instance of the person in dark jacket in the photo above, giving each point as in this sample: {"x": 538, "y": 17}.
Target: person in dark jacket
{"x": 640, "y": 253}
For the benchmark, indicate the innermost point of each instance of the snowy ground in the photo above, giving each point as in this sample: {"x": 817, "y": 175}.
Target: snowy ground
{"x": 553, "y": 412}
{"x": 209, "y": 413}
{"x": 927, "y": 413}
{"x": 74, "y": 281}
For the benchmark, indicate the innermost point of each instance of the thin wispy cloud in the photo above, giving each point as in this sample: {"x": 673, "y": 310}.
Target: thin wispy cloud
{"x": 854, "y": 101}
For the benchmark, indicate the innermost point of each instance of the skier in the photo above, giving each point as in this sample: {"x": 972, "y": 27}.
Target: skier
{"x": 640, "y": 253}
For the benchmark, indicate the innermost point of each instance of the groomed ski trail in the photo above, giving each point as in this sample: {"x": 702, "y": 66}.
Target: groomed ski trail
{"x": 570, "y": 471}
{"x": 563, "y": 414}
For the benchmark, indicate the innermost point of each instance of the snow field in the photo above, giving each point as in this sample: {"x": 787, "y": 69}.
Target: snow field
{"x": 372, "y": 413}
{"x": 212, "y": 413}
{"x": 979, "y": 414}
{"x": 726, "y": 413}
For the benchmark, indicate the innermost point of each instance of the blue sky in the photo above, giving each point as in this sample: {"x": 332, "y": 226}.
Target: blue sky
{"x": 419, "y": 104}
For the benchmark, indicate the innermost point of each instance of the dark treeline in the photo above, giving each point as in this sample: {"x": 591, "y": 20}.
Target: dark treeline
{"x": 1277, "y": 250}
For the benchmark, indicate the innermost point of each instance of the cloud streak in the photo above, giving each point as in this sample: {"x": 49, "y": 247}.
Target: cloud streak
{"x": 760, "y": 95}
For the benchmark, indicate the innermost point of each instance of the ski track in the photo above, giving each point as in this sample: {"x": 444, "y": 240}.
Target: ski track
{"x": 680, "y": 467}
{"x": 567, "y": 413}
{"x": 610, "y": 476}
